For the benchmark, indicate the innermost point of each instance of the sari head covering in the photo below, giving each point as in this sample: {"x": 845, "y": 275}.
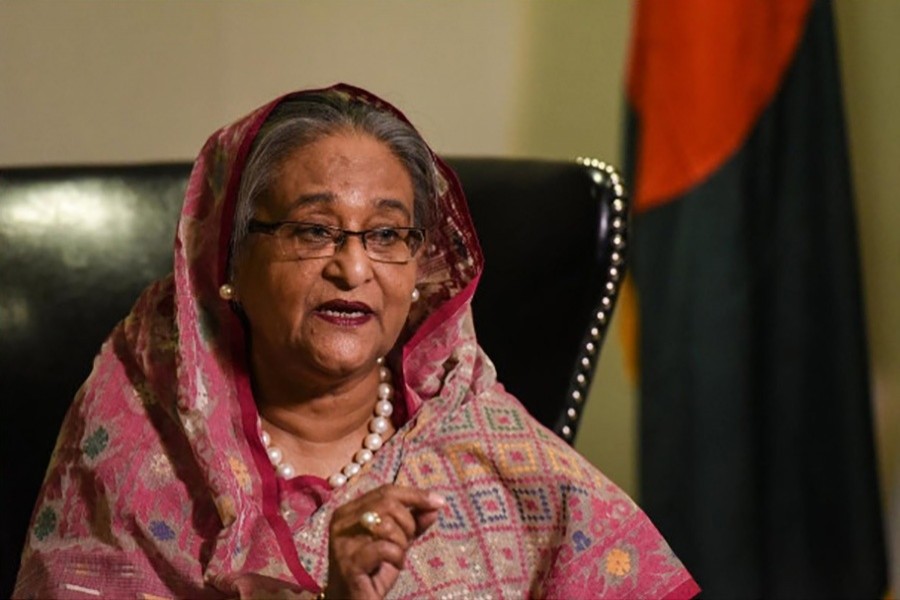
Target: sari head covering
{"x": 160, "y": 486}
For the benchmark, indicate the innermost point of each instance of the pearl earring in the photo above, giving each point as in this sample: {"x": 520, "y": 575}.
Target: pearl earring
{"x": 415, "y": 294}
{"x": 226, "y": 291}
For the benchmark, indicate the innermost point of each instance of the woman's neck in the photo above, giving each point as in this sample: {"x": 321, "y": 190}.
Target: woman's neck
{"x": 314, "y": 410}
{"x": 317, "y": 427}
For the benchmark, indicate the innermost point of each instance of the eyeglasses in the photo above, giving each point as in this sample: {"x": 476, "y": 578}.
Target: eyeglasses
{"x": 311, "y": 240}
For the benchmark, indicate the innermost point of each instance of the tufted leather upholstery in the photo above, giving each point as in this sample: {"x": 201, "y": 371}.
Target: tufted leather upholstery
{"x": 78, "y": 244}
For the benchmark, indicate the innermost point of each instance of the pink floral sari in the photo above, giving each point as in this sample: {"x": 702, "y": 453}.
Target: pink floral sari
{"x": 159, "y": 485}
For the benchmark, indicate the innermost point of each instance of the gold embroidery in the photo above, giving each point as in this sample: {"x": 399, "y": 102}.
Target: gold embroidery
{"x": 618, "y": 562}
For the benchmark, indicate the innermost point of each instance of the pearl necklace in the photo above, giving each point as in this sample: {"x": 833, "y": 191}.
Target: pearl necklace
{"x": 378, "y": 425}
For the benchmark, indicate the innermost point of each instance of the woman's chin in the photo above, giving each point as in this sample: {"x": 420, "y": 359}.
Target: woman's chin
{"x": 340, "y": 352}
{"x": 323, "y": 354}
{"x": 344, "y": 363}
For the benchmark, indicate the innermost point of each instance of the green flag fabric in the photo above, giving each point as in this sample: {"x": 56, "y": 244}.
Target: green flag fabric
{"x": 757, "y": 454}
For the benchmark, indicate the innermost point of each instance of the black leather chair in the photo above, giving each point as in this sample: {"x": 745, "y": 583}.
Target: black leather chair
{"x": 78, "y": 244}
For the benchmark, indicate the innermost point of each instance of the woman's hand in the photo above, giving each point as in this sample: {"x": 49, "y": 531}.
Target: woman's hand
{"x": 364, "y": 562}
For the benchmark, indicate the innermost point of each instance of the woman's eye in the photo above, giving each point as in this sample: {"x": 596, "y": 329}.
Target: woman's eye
{"x": 313, "y": 233}
{"x": 384, "y": 235}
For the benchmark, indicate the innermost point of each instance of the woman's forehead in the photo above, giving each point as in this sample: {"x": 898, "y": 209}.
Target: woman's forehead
{"x": 341, "y": 172}
{"x": 329, "y": 202}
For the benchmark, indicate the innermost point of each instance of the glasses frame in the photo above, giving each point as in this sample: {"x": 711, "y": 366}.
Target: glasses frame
{"x": 339, "y": 236}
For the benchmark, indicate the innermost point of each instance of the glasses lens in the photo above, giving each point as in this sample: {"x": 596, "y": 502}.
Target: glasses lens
{"x": 394, "y": 244}
{"x": 306, "y": 240}
{"x": 385, "y": 244}
{"x": 415, "y": 240}
{"x": 388, "y": 244}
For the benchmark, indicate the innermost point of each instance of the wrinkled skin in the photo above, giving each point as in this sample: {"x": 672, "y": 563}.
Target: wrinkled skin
{"x": 302, "y": 358}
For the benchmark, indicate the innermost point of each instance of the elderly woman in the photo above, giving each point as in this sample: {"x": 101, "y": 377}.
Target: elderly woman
{"x": 302, "y": 407}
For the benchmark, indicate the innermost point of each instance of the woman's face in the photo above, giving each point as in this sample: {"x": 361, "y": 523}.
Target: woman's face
{"x": 334, "y": 315}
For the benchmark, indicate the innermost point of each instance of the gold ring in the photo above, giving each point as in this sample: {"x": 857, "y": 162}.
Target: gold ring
{"x": 370, "y": 520}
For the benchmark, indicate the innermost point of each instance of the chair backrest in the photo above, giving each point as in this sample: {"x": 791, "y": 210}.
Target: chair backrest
{"x": 78, "y": 244}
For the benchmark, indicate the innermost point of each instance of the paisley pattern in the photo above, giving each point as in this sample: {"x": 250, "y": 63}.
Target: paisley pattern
{"x": 160, "y": 487}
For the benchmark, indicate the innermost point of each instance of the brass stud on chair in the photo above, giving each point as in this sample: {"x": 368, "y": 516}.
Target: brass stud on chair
{"x": 614, "y": 198}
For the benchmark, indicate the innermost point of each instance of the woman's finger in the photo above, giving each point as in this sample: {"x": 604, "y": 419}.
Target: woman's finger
{"x": 415, "y": 510}
{"x": 369, "y": 557}
{"x": 407, "y": 506}
{"x": 423, "y": 520}
{"x": 389, "y": 529}
{"x": 400, "y": 513}
{"x": 412, "y": 498}
{"x": 367, "y": 554}
{"x": 364, "y": 570}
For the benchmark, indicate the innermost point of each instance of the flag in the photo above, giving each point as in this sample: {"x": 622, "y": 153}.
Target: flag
{"x": 757, "y": 454}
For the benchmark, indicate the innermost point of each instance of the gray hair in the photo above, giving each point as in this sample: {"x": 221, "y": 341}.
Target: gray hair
{"x": 305, "y": 118}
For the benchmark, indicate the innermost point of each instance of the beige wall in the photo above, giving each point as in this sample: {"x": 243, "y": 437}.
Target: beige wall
{"x": 105, "y": 81}
{"x": 126, "y": 81}
{"x": 869, "y": 42}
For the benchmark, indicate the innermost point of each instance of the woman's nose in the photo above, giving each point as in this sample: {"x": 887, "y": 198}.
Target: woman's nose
{"x": 350, "y": 266}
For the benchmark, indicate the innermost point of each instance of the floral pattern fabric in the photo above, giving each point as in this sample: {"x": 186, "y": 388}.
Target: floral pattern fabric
{"x": 160, "y": 487}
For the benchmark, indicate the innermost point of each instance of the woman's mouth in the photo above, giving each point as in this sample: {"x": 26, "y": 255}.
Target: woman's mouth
{"x": 345, "y": 313}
